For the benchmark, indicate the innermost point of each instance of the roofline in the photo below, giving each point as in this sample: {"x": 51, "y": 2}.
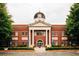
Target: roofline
{"x": 28, "y": 25}
{"x": 41, "y": 22}
{"x": 59, "y": 25}
{"x": 19, "y": 25}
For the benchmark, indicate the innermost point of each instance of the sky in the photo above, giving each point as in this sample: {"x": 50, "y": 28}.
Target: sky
{"x": 23, "y": 13}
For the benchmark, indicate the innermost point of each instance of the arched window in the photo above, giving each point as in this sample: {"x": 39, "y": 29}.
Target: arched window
{"x": 39, "y": 42}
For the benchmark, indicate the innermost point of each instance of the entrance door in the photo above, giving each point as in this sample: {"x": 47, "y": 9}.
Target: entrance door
{"x": 39, "y": 43}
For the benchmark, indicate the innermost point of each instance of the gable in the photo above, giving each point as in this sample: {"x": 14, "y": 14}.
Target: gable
{"x": 40, "y": 23}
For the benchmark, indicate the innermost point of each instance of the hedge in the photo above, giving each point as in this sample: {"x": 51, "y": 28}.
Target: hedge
{"x": 18, "y": 48}
{"x": 1, "y": 48}
{"x": 62, "y": 48}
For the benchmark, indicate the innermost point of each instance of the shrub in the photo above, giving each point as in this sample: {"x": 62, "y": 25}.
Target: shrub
{"x": 61, "y": 48}
{"x": 20, "y": 48}
{"x": 1, "y": 48}
{"x": 17, "y": 48}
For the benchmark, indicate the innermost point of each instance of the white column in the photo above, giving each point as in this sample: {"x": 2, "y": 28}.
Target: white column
{"x": 46, "y": 37}
{"x": 33, "y": 37}
{"x": 29, "y": 38}
{"x": 49, "y": 38}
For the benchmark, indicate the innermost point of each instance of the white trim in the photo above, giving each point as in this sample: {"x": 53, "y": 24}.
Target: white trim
{"x": 49, "y": 38}
{"x": 14, "y": 38}
{"x": 56, "y": 42}
{"x": 29, "y": 38}
{"x": 39, "y": 28}
{"x": 24, "y": 38}
{"x": 64, "y": 38}
{"x": 46, "y": 37}
{"x": 42, "y": 23}
{"x": 16, "y": 33}
{"x": 33, "y": 37}
{"x": 54, "y": 38}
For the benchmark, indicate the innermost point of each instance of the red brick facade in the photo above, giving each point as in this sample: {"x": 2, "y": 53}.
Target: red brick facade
{"x": 19, "y": 29}
{"x": 56, "y": 31}
{"x": 59, "y": 29}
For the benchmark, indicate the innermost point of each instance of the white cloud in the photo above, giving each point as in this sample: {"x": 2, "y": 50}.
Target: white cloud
{"x": 23, "y": 13}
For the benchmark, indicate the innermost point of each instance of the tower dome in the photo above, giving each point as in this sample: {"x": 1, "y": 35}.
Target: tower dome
{"x": 39, "y": 15}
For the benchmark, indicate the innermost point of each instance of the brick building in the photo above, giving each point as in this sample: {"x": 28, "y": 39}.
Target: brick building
{"x": 39, "y": 33}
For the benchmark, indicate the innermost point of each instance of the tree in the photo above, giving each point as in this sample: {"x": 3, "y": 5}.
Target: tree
{"x": 5, "y": 26}
{"x": 72, "y": 22}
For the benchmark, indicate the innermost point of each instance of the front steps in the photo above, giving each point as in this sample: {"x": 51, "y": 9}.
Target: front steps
{"x": 39, "y": 50}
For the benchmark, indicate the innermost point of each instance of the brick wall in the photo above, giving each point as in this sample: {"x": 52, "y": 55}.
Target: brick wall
{"x": 24, "y": 28}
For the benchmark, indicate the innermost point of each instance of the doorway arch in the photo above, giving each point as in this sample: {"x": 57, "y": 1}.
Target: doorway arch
{"x": 40, "y": 43}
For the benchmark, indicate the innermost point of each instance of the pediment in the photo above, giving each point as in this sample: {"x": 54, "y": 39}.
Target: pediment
{"x": 40, "y": 23}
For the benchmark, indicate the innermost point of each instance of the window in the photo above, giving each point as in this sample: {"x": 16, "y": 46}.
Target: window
{"x": 40, "y": 33}
{"x": 53, "y": 42}
{"x": 52, "y": 33}
{"x": 56, "y": 43}
{"x": 24, "y": 33}
{"x": 63, "y": 33}
{"x": 64, "y": 42}
{"x": 14, "y": 33}
{"x": 16, "y": 44}
{"x": 22, "y": 43}
{"x": 55, "y": 33}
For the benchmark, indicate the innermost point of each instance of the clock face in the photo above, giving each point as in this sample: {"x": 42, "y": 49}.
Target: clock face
{"x": 39, "y": 16}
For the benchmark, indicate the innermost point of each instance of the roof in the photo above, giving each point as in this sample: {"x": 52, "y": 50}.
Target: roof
{"x": 20, "y": 27}
{"x": 58, "y": 27}
{"x": 44, "y": 23}
{"x": 24, "y": 27}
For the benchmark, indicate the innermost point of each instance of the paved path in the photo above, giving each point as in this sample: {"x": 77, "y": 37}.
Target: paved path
{"x": 34, "y": 53}
{"x": 39, "y": 50}
{"x": 38, "y": 54}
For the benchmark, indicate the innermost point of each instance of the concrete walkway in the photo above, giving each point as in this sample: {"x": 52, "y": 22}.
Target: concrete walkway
{"x": 47, "y": 53}
{"x": 39, "y": 50}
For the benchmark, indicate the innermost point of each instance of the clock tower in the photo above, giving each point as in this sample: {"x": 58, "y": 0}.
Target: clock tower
{"x": 39, "y": 16}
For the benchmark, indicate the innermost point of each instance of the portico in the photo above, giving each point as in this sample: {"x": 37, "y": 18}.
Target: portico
{"x": 32, "y": 35}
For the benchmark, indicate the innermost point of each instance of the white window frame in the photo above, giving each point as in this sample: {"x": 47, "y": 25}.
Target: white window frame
{"x": 16, "y": 33}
